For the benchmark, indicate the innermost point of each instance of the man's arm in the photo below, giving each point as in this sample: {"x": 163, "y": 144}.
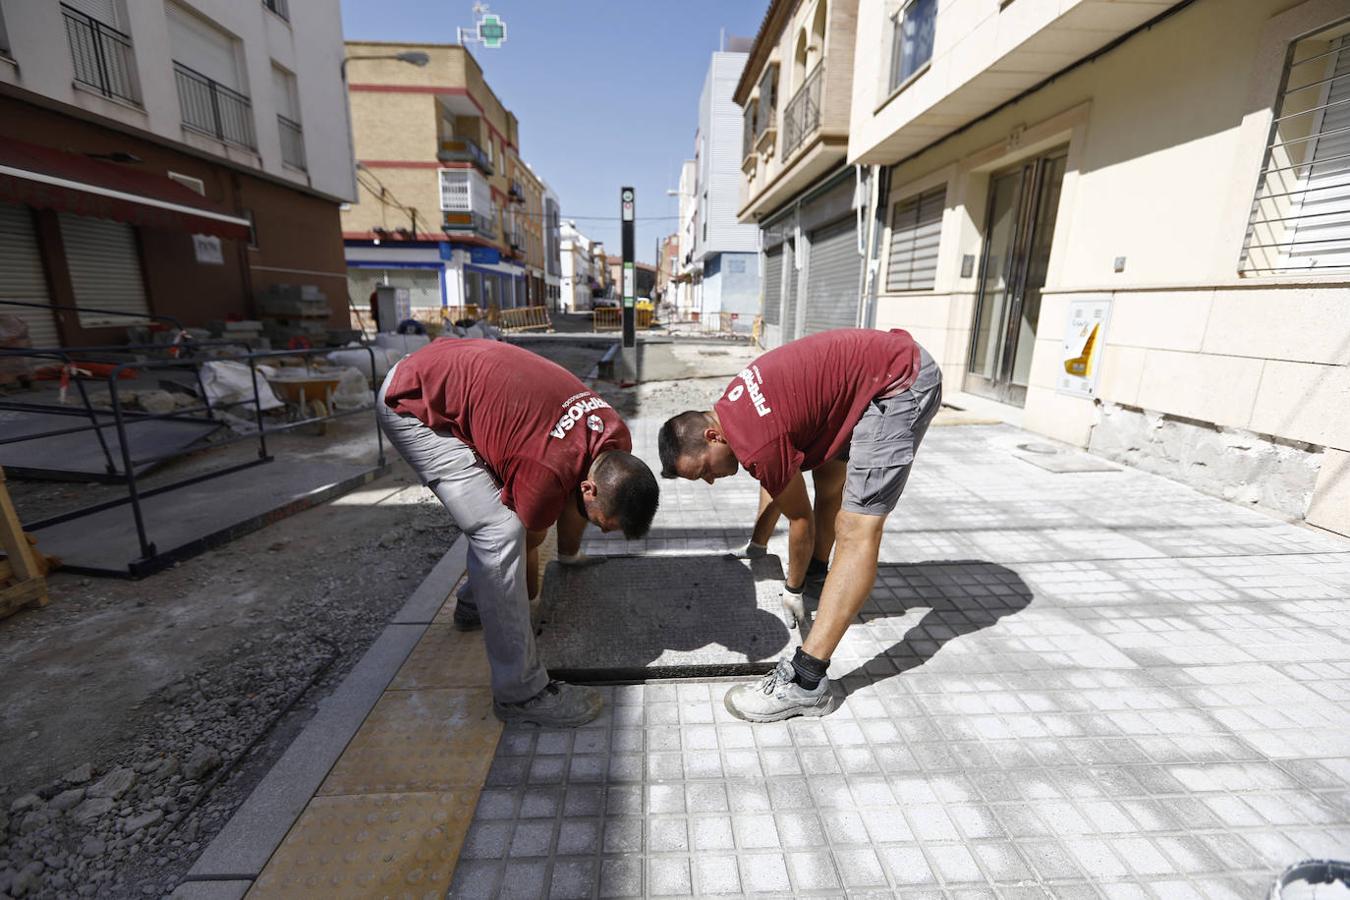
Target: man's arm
{"x": 795, "y": 503}
{"x": 532, "y": 541}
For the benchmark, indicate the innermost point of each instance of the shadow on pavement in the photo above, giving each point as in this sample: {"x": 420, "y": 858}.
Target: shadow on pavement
{"x": 961, "y": 596}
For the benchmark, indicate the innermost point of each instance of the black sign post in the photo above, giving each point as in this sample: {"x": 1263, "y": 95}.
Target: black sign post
{"x": 628, "y": 364}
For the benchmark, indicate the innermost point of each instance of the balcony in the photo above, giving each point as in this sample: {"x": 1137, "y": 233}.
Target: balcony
{"x": 464, "y": 150}
{"x": 801, "y": 118}
{"x": 749, "y": 130}
{"x": 212, "y": 109}
{"x": 453, "y": 223}
{"x": 516, "y": 192}
{"x": 292, "y": 142}
{"x": 102, "y": 56}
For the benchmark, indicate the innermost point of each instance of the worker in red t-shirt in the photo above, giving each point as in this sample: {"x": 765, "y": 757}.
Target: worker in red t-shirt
{"x": 850, "y": 406}
{"x": 511, "y": 444}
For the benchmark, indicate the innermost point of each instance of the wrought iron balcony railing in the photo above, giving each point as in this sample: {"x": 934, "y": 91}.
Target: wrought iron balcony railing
{"x": 801, "y": 118}
{"x": 102, "y": 56}
{"x": 211, "y": 108}
{"x": 464, "y": 150}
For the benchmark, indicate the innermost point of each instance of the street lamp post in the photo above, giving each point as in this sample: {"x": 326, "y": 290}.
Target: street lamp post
{"x": 411, "y": 57}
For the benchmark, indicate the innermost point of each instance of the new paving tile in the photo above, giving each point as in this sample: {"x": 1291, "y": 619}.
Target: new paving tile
{"x": 1066, "y": 684}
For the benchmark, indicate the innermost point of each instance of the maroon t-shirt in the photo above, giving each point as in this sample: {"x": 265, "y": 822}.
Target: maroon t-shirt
{"x": 534, "y": 424}
{"x": 795, "y": 406}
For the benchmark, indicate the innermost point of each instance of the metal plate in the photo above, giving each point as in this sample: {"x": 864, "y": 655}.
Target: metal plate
{"x": 665, "y": 616}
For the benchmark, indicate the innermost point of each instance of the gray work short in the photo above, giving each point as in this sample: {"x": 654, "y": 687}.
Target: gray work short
{"x": 884, "y": 442}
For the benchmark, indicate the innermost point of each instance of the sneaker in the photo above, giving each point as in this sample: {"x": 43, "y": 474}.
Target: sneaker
{"x": 776, "y": 696}
{"x": 558, "y": 705}
{"x": 466, "y": 616}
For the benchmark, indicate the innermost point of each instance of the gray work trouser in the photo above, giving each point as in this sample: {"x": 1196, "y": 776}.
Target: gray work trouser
{"x": 497, "y": 582}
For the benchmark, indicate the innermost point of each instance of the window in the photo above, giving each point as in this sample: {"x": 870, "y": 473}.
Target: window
{"x": 1300, "y": 217}
{"x": 280, "y": 7}
{"x": 911, "y": 40}
{"x": 212, "y": 94}
{"x": 287, "y": 101}
{"x": 916, "y": 227}
{"x": 4, "y": 38}
{"x": 100, "y": 54}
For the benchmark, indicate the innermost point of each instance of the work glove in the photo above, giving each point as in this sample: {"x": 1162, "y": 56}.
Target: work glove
{"x": 579, "y": 560}
{"x": 794, "y": 604}
{"x": 750, "y": 550}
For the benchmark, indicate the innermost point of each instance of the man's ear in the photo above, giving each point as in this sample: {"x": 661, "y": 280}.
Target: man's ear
{"x": 588, "y": 490}
{"x": 713, "y": 436}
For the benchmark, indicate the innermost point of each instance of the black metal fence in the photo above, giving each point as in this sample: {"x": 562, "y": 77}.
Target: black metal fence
{"x": 292, "y": 142}
{"x": 802, "y": 116}
{"x": 213, "y": 109}
{"x": 101, "y": 55}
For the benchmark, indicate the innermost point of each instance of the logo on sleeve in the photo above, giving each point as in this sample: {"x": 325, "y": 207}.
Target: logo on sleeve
{"x": 750, "y": 383}
{"x": 576, "y": 407}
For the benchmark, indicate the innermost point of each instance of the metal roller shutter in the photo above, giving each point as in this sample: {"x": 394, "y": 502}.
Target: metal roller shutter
{"x": 105, "y": 270}
{"x": 773, "y": 285}
{"x": 790, "y": 295}
{"x": 916, "y": 226}
{"x": 21, "y": 274}
{"x": 1321, "y": 236}
{"x": 832, "y": 278}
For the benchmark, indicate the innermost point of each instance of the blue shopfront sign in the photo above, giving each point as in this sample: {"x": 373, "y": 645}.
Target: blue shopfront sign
{"x": 485, "y": 256}
{"x": 447, "y": 250}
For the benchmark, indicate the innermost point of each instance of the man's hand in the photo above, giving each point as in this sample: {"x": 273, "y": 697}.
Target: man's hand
{"x": 750, "y": 550}
{"x": 794, "y": 605}
{"x": 578, "y": 560}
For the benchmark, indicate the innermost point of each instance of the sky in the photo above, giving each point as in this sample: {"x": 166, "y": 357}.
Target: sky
{"x": 606, "y": 91}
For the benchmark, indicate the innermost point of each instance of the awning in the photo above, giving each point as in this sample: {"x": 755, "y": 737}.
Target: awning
{"x": 68, "y": 182}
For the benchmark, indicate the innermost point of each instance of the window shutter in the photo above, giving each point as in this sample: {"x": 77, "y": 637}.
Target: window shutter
{"x": 22, "y": 277}
{"x": 1322, "y": 234}
{"x": 916, "y": 227}
{"x": 203, "y": 48}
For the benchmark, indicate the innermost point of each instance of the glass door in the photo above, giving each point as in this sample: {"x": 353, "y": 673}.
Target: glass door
{"x": 1018, "y": 231}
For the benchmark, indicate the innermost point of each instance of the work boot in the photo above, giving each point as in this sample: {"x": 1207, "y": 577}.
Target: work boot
{"x": 776, "y": 696}
{"x": 466, "y": 616}
{"x": 558, "y": 705}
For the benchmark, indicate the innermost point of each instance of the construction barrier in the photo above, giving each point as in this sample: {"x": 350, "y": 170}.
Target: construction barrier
{"x": 610, "y": 318}
{"x": 607, "y": 318}
{"x": 727, "y": 322}
{"x": 524, "y": 318}
{"x": 757, "y": 332}
{"x": 454, "y": 314}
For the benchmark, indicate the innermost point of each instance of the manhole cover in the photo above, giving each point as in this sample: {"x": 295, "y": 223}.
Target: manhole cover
{"x": 1038, "y": 448}
{"x": 638, "y": 617}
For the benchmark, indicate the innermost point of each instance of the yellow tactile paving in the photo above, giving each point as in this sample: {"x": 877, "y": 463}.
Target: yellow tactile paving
{"x": 427, "y": 740}
{"x": 444, "y": 658}
{"x": 390, "y": 845}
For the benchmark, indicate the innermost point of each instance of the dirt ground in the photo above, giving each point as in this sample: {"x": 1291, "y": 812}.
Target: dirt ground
{"x": 136, "y": 715}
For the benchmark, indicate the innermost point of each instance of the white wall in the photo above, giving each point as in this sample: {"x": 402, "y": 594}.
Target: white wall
{"x": 720, "y": 160}
{"x": 310, "y": 45}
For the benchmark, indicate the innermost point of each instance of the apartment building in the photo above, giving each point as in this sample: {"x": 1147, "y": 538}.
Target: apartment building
{"x": 1123, "y": 225}
{"x": 577, "y": 281}
{"x": 796, "y": 186}
{"x": 689, "y": 283}
{"x": 170, "y": 157}
{"x": 724, "y": 252}
{"x": 445, "y": 207}
{"x": 552, "y": 248}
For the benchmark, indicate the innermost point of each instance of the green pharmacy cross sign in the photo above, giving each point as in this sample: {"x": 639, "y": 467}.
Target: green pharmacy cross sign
{"x": 491, "y": 31}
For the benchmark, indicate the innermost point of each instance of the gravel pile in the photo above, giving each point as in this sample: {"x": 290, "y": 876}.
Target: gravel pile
{"x": 132, "y": 822}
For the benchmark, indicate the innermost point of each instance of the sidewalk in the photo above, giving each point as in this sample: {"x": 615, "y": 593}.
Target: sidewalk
{"x": 1067, "y": 684}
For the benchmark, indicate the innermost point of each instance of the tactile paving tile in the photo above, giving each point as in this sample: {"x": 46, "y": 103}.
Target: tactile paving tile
{"x": 445, "y": 658}
{"x": 668, "y": 611}
{"x": 378, "y": 845}
{"x": 428, "y": 740}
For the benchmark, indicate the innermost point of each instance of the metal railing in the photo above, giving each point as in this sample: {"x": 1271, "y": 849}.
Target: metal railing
{"x": 464, "y": 150}
{"x": 101, "y": 54}
{"x": 292, "y": 142}
{"x": 801, "y": 118}
{"x": 280, "y": 7}
{"x": 211, "y": 108}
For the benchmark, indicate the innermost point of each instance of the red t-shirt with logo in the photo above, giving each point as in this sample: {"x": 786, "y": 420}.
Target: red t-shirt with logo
{"x": 795, "y": 407}
{"x": 534, "y": 424}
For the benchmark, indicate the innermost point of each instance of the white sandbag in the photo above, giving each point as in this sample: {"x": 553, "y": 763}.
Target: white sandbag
{"x": 353, "y": 391}
{"x": 358, "y": 358}
{"x": 404, "y": 343}
{"x": 227, "y": 383}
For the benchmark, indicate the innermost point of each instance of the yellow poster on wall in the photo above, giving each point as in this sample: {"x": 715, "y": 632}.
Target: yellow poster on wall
{"x": 1084, "y": 340}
